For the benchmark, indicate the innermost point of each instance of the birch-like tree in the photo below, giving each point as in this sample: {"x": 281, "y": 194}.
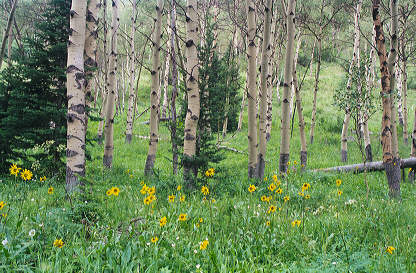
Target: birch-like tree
{"x": 154, "y": 91}
{"x": 285, "y": 126}
{"x": 112, "y": 90}
{"x": 132, "y": 97}
{"x": 192, "y": 73}
{"x": 7, "y": 31}
{"x": 75, "y": 147}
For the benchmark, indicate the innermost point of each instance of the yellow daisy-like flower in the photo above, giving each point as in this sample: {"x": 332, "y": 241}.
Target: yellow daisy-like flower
{"x": 295, "y": 162}
{"x": 43, "y": 178}
{"x": 147, "y": 200}
{"x": 210, "y": 172}
{"x": 58, "y": 243}
{"x": 50, "y": 190}
{"x": 182, "y": 199}
{"x": 272, "y": 187}
{"x": 306, "y": 186}
{"x": 339, "y": 192}
{"x": 142, "y": 182}
{"x": 279, "y": 191}
{"x": 155, "y": 239}
{"x": 151, "y": 190}
{"x": 109, "y": 192}
{"x": 152, "y": 198}
{"x": 307, "y": 196}
{"x": 265, "y": 179}
{"x": 296, "y": 223}
{"x": 269, "y": 198}
{"x": 115, "y": 191}
{"x": 274, "y": 178}
{"x": 251, "y": 188}
{"x": 272, "y": 209}
{"x": 268, "y": 223}
{"x": 171, "y": 198}
{"x": 203, "y": 245}
{"x": 338, "y": 182}
{"x": 2, "y": 204}
{"x": 390, "y": 250}
{"x": 288, "y": 163}
{"x": 263, "y": 198}
{"x": 201, "y": 220}
{"x": 179, "y": 187}
{"x": 14, "y": 170}
{"x": 301, "y": 193}
{"x": 205, "y": 190}
{"x": 26, "y": 175}
{"x": 182, "y": 217}
{"x": 213, "y": 200}
{"x": 163, "y": 221}
{"x": 286, "y": 198}
{"x": 4, "y": 215}
{"x": 144, "y": 189}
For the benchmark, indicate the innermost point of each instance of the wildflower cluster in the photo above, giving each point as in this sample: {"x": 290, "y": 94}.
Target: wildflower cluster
{"x": 210, "y": 172}
{"x": 150, "y": 193}
{"x": 113, "y": 191}
{"x": 25, "y": 174}
{"x": 338, "y": 182}
{"x": 304, "y": 191}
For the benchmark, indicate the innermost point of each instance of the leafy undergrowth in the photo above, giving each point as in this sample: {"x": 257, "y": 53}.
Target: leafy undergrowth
{"x": 326, "y": 225}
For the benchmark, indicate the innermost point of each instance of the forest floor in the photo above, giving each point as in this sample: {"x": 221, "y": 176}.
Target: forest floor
{"x": 333, "y": 227}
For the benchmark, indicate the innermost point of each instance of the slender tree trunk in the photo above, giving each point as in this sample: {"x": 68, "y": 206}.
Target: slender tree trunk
{"x": 174, "y": 87}
{"x": 399, "y": 92}
{"x": 75, "y": 147}
{"x": 354, "y": 61}
{"x": 264, "y": 77}
{"x": 166, "y": 75}
{"x": 393, "y": 177}
{"x": 7, "y": 31}
{"x": 9, "y": 47}
{"x": 303, "y": 147}
{"x": 315, "y": 92}
{"x": 90, "y": 56}
{"x": 105, "y": 89}
{"x": 404, "y": 92}
{"x": 112, "y": 90}
{"x": 288, "y": 81}
{"x": 413, "y": 151}
{"x": 192, "y": 114}
{"x": 295, "y": 62}
{"x": 252, "y": 87}
{"x": 312, "y": 55}
{"x": 132, "y": 98}
{"x": 154, "y": 92}
{"x": 243, "y": 104}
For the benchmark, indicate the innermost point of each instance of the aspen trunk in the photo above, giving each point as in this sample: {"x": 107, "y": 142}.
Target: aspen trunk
{"x": 354, "y": 61}
{"x": 243, "y": 104}
{"x": 192, "y": 114}
{"x": 174, "y": 87}
{"x": 9, "y": 47}
{"x": 132, "y": 97}
{"x": 392, "y": 58}
{"x": 295, "y": 62}
{"x": 251, "y": 87}
{"x": 154, "y": 92}
{"x": 264, "y": 77}
{"x": 112, "y": 90}
{"x": 399, "y": 91}
{"x": 312, "y": 55}
{"x": 393, "y": 177}
{"x": 166, "y": 78}
{"x": 90, "y": 56}
{"x": 315, "y": 92}
{"x": 75, "y": 147}
{"x": 303, "y": 147}
{"x": 105, "y": 89}
{"x": 285, "y": 127}
{"x": 413, "y": 151}
{"x": 7, "y": 31}
{"x": 370, "y": 85}
{"x": 404, "y": 96}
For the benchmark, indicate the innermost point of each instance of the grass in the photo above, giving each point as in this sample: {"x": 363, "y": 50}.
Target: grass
{"x": 113, "y": 233}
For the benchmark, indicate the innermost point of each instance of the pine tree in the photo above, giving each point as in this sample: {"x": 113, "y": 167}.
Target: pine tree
{"x": 33, "y": 94}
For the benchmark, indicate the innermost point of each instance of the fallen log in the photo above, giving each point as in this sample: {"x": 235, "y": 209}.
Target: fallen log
{"x": 370, "y": 166}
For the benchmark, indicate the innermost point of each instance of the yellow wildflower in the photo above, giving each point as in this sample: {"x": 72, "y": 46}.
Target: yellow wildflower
{"x": 115, "y": 191}
{"x": 295, "y": 162}
{"x": 109, "y": 192}
{"x": 338, "y": 182}
{"x": 339, "y": 192}
{"x": 268, "y": 223}
{"x": 205, "y": 190}
{"x": 307, "y": 196}
{"x": 203, "y": 245}
{"x": 272, "y": 187}
{"x": 50, "y": 190}
{"x": 147, "y": 200}
{"x": 286, "y": 198}
{"x": 301, "y": 193}
{"x": 26, "y": 174}
{"x": 390, "y": 250}
{"x": 155, "y": 239}
{"x": 201, "y": 220}
{"x": 251, "y": 188}
{"x": 43, "y": 178}
{"x": 14, "y": 170}
{"x": 182, "y": 217}
{"x": 58, "y": 243}
{"x": 163, "y": 221}
{"x": 2, "y": 204}
{"x": 306, "y": 186}
{"x": 213, "y": 200}
{"x": 144, "y": 189}
{"x": 182, "y": 199}
{"x": 179, "y": 187}
{"x": 263, "y": 198}
{"x": 151, "y": 190}
{"x": 171, "y": 198}
{"x": 279, "y": 191}
{"x": 296, "y": 223}
{"x": 274, "y": 178}
{"x": 272, "y": 209}
{"x": 265, "y": 179}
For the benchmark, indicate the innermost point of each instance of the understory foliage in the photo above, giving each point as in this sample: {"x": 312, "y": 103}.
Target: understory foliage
{"x": 219, "y": 86}
{"x": 33, "y": 95}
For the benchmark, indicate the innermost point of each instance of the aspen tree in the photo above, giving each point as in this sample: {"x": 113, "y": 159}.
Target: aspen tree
{"x": 404, "y": 92}
{"x": 354, "y": 61}
{"x": 166, "y": 74}
{"x": 285, "y": 125}
{"x": 393, "y": 177}
{"x": 105, "y": 89}
{"x": 90, "y": 56}
{"x": 75, "y": 147}
{"x": 315, "y": 92}
{"x": 192, "y": 75}
{"x": 154, "y": 92}
{"x": 7, "y": 31}
{"x": 130, "y": 110}
{"x": 174, "y": 86}
{"x": 264, "y": 77}
{"x": 251, "y": 87}
{"x": 112, "y": 90}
